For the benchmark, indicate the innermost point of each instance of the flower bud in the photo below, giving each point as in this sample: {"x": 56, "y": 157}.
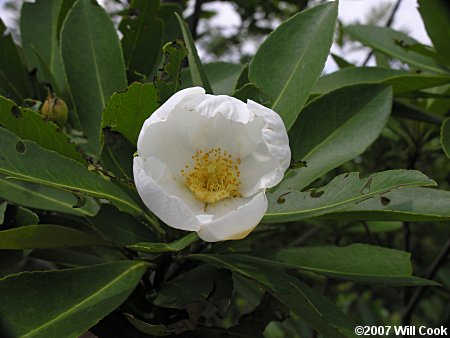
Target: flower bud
{"x": 55, "y": 110}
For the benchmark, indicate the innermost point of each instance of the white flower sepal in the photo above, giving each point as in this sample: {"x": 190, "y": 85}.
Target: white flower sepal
{"x": 205, "y": 161}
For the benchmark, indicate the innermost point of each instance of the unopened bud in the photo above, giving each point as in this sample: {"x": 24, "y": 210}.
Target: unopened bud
{"x": 55, "y": 110}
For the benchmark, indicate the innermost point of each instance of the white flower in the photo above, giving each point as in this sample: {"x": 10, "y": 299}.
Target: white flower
{"x": 204, "y": 163}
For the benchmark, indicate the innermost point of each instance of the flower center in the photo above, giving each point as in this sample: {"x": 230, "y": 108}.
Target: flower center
{"x": 215, "y": 175}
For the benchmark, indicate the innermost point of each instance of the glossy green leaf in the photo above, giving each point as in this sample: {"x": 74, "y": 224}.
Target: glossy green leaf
{"x": 358, "y": 262}
{"x": 411, "y": 111}
{"x": 119, "y": 227}
{"x": 66, "y": 5}
{"x": 154, "y": 330}
{"x": 291, "y": 59}
{"x": 435, "y": 15}
{"x": 14, "y": 81}
{"x": 198, "y": 74}
{"x": 445, "y": 136}
{"x": 46, "y": 236}
{"x": 31, "y": 126}
{"x": 117, "y": 156}
{"x": 127, "y": 110}
{"x": 315, "y": 309}
{"x": 142, "y": 36}
{"x": 75, "y": 299}
{"x": 335, "y": 128}
{"x": 27, "y": 161}
{"x": 411, "y": 204}
{"x": 39, "y": 35}
{"x": 395, "y": 44}
{"x": 287, "y": 205}
{"x": 401, "y": 81}
{"x": 168, "y": 80}
{"x": 94, "y": 66}
{"x": 41, "y": 197}
{"x": 177, "y": 245}
{"x": 242, "y": 77}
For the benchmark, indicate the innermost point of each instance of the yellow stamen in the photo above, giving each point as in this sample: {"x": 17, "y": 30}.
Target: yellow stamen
{"x": 214, "y": 176}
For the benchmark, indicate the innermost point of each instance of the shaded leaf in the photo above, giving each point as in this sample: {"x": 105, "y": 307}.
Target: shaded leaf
{"x": 24, "y": 216}
{"x": 94, "y": 66}
{"x": 76, "y": 299}
{"x": 177, "y": 245}
{"x": 13, "y": 73}
{"x": 39, "y": 36}
{"x": 3, "y": 206}
{"x": 198, "y": 74}
{"x": 31, "y": 126}
{"x": 291, "y": 59}
{"x": 358, "y": 262}
{"x": 142, "y": 36}
{"x": 251, "y": 92}
{"x": 42, "y": 197}
{"x": 289, "y": 204}
{"x": 127, "y": 110}
{"x": 445, "y": 137}
{"x": 119, "y": 227}
{"x": 46, "y": 236}
{"x": 326, "y": 319}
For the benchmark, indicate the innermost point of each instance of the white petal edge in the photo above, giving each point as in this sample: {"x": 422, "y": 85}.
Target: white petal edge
{"x": 237, "y": 223}
{"x": 275, "y": 137}
{"x": 171, "y": 209}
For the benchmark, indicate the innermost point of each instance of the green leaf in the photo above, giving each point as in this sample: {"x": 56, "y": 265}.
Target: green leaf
{"x": 357, "y": 262}
{"x": 167, "y": 12}
{"x": 117, "y": 156}
{"x": 242, "y": 77}
{"x": 24, "y": 216}
{"x": 94, "y": 65}
{"x": 127, "y": 110}
{"x": 158, "y": 330}
{"x": 222, "y": 76}
{"x": 177, "y": 245}
{"x": 252, "y": 92}
{"x": 198, "y": 74}
{"x": 75, "y": 299}
{"x": 411, "y": 204}
{"x": 31, "y": 126}
{"x": 291, "y": 59}
{"x": 142, "y": 36}
{"x": 119, "y": 227}
{"x": 288, "y": 205}
{"x": 168, "y": 81}
{"x": 395, "y": 44}
{"x": 193, "y": 286}
{"x": 46, "y": 236}
{"x": 435, "y": 15}
{"x": 41, "y": 197}
{"x": 39, "y": 35}
{"x": 317, "y": 311}
{"x": 13, "y": 73}
{"x": 445, "y": 137}
{"x": 401, "y": 81}
{"x": 336, "y": 128}
{"x": 25, "y": 160}
{"x": 414, "y": 112}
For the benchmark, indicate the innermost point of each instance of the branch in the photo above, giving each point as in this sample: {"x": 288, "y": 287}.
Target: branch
{"x": 389, "y": 22}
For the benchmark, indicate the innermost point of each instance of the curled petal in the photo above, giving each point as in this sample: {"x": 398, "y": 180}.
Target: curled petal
{"x": 238, "y": 219}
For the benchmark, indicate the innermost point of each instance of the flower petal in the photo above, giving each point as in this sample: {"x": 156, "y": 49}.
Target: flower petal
{"x": 234, "y": 218}
{"x": 174, "y": 205}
